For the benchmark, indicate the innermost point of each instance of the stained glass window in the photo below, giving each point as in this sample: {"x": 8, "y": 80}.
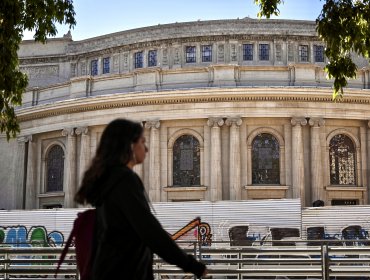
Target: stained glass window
{"x": 55, "y": 169}
{"x": 152, "y": 58}
{"x": 139, "y": 60}
{"x": 190, "y": 54}
{"x": 303, "y": 53}
{"x": 207, "y": 53}
{"x": 342, "y": 160}
{"x": 264, "y": 51}
{"x": 247, "y": 51}
{"x": 319, "y": 53}
{"x": 186, "y": 161}
{"x": 94, "y": 67}
{"x": 265, "y": 160}
{"x": 106, "y": 66}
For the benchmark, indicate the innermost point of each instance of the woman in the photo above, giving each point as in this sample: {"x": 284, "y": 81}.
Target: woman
{"x": 127, "y": 234}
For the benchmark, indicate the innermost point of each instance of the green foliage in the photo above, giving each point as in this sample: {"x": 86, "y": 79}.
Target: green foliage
{"x": 344, "y": 26}
{"x": 268, "y": 7}
{"x": 15, "y": 17}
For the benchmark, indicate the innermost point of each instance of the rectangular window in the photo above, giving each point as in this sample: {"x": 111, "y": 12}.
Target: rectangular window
{"x": 207, "y": 53}
{"x": 303, "y": 53}
{"x": 248, "y": 52}
{"x": 94, "y": 67}
{"x": 152, "y": 58}
{"x": 139, "y": 60}
{"x": 319, "y": 53}
{"x": 264, "y": 52}
{"x": 190, "y": 54}
{"x": 106, "y": 66}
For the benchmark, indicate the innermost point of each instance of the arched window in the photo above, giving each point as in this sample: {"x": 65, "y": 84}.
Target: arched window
{"x": 342, "y": 160}
{"x": 55, "y": 169}
{"x": 186, "y": 161}
{"x": 265, "y": 160}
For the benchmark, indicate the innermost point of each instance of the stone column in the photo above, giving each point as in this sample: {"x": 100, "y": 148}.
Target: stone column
{"x": 216, "y": 175}
{"x": 84, "y": 156}
{"x": 31, "y": 191}
{"x": 234, "y": 158}
{"x": 20, "y": 170}
{"x": 368, "y": 161}
{"x": 297, "y": 159}
{"x": 154, "y": 161}
{"x": 316, "y": 160}
{"x": 70, "y": 168}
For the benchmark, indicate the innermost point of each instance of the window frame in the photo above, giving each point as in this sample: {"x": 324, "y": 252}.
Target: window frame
{"x": 304, "y": 53}
{"x": 155, "y": 58}
{"x": 315, "y": 48}
{"x": 45, "y": 167}
{"x": 190, "y": 54}
{"x": 244, "y": 51}
{"x": 262, "y": 52}
{"x": 207, "y": 58}
{"x": 94, "y": 67}
{"x": 139, "y": 60}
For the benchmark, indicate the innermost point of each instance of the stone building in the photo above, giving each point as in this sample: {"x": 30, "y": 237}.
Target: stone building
{"x": 232, "y": 110}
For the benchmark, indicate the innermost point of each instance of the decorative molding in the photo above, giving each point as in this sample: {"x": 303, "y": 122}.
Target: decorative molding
{"x": 215, "y": 122}
{"x": 82, "y": 130}
{"x": 135, "y": 99}
{"x": 298, "y": 121}
{"x": 316, "y": 122}
{"x": 24, "y": 139}
{"x": 236, "y": 121}
{"x": 153, "y": 124}
{"x": 68, "y": 131}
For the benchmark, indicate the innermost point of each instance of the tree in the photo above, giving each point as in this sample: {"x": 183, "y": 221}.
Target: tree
{"x": 15, "y": 17}
{"x": 344, "y": 26}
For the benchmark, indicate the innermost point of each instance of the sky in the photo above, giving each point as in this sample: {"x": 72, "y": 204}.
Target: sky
{"x": 100, "y": 17}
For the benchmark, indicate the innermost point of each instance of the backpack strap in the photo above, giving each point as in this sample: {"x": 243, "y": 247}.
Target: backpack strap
{"x": 64, "y": 252}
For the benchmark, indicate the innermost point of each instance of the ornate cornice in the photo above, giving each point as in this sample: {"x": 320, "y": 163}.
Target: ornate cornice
{"x": 183, "y": 97}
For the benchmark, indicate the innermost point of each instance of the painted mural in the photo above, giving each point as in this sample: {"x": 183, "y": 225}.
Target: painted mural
{"x": 36, "y": 236}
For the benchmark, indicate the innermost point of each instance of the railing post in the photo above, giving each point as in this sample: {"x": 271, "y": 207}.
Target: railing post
{"x": 195, "y": 254}
{"x": 325, "y": 262}
{"x": 6, "y": 265}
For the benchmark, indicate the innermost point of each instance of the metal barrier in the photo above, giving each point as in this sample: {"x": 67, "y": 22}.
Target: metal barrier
{"x": 321, "y": 261}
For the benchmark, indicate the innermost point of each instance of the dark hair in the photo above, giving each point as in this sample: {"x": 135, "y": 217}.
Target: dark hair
{"x": 114, "y": 149}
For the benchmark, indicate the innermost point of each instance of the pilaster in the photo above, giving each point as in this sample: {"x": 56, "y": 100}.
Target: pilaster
{"x": 317, "y": 191}
{"x": 234, "y": 158}
{"x": 215, "y": 172}
{"x": 70, "y": 173}
{"x": 31, "y": 192}
{"x": 298, "y": 184}
{"x": 84, "y": 156}
{"x": 21, "y": 172}
{"x": 154, "y": 160}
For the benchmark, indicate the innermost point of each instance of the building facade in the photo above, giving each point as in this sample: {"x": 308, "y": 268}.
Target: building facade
{"x": 232, "y": 110}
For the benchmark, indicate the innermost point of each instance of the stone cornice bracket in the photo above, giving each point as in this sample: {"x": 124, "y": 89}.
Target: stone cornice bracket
{"x": 316, "y": 122}
{"x": 82, "y": 130}
{"x": 68, "y": 131}
{"x": 24, "y": 139}
{"x": 153, "y": 124}
{"x": 234, "y": 121}
{"x": 298, "y": 121}
{"x": 215, "y": 122}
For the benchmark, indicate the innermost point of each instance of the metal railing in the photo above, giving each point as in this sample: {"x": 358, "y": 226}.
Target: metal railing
{"x": 321, "y": 261}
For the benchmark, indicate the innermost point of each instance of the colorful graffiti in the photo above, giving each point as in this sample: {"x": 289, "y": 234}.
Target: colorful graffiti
{"x": 196, "y": 229}
{"x": 36, "y": 236}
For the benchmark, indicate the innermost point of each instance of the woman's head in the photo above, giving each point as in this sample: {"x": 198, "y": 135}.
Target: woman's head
{"x": 118, "y": 143}
{"x": 122, "y": 143}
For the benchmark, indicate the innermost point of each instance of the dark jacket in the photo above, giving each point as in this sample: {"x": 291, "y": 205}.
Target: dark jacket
{"x": 128, "y": 234}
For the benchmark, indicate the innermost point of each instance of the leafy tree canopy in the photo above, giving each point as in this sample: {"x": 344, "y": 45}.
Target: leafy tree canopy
{"x": 344, "y": 26}
{"x": 15, "y": 17}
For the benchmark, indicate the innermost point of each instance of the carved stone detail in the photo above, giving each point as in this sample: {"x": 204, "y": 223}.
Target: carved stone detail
{"x": 316, "y": 122}
{"x": 82, "y": 130}
{"x": 214, "y": 122}
{"x": 298, "y": 121}
{"x": 153, "y": 124}
{"x": 68, "y": 131}
{"x": 236, "y": 121}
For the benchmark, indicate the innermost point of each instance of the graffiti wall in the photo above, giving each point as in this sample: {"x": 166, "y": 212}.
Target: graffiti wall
{"x": 239, "y": 223}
